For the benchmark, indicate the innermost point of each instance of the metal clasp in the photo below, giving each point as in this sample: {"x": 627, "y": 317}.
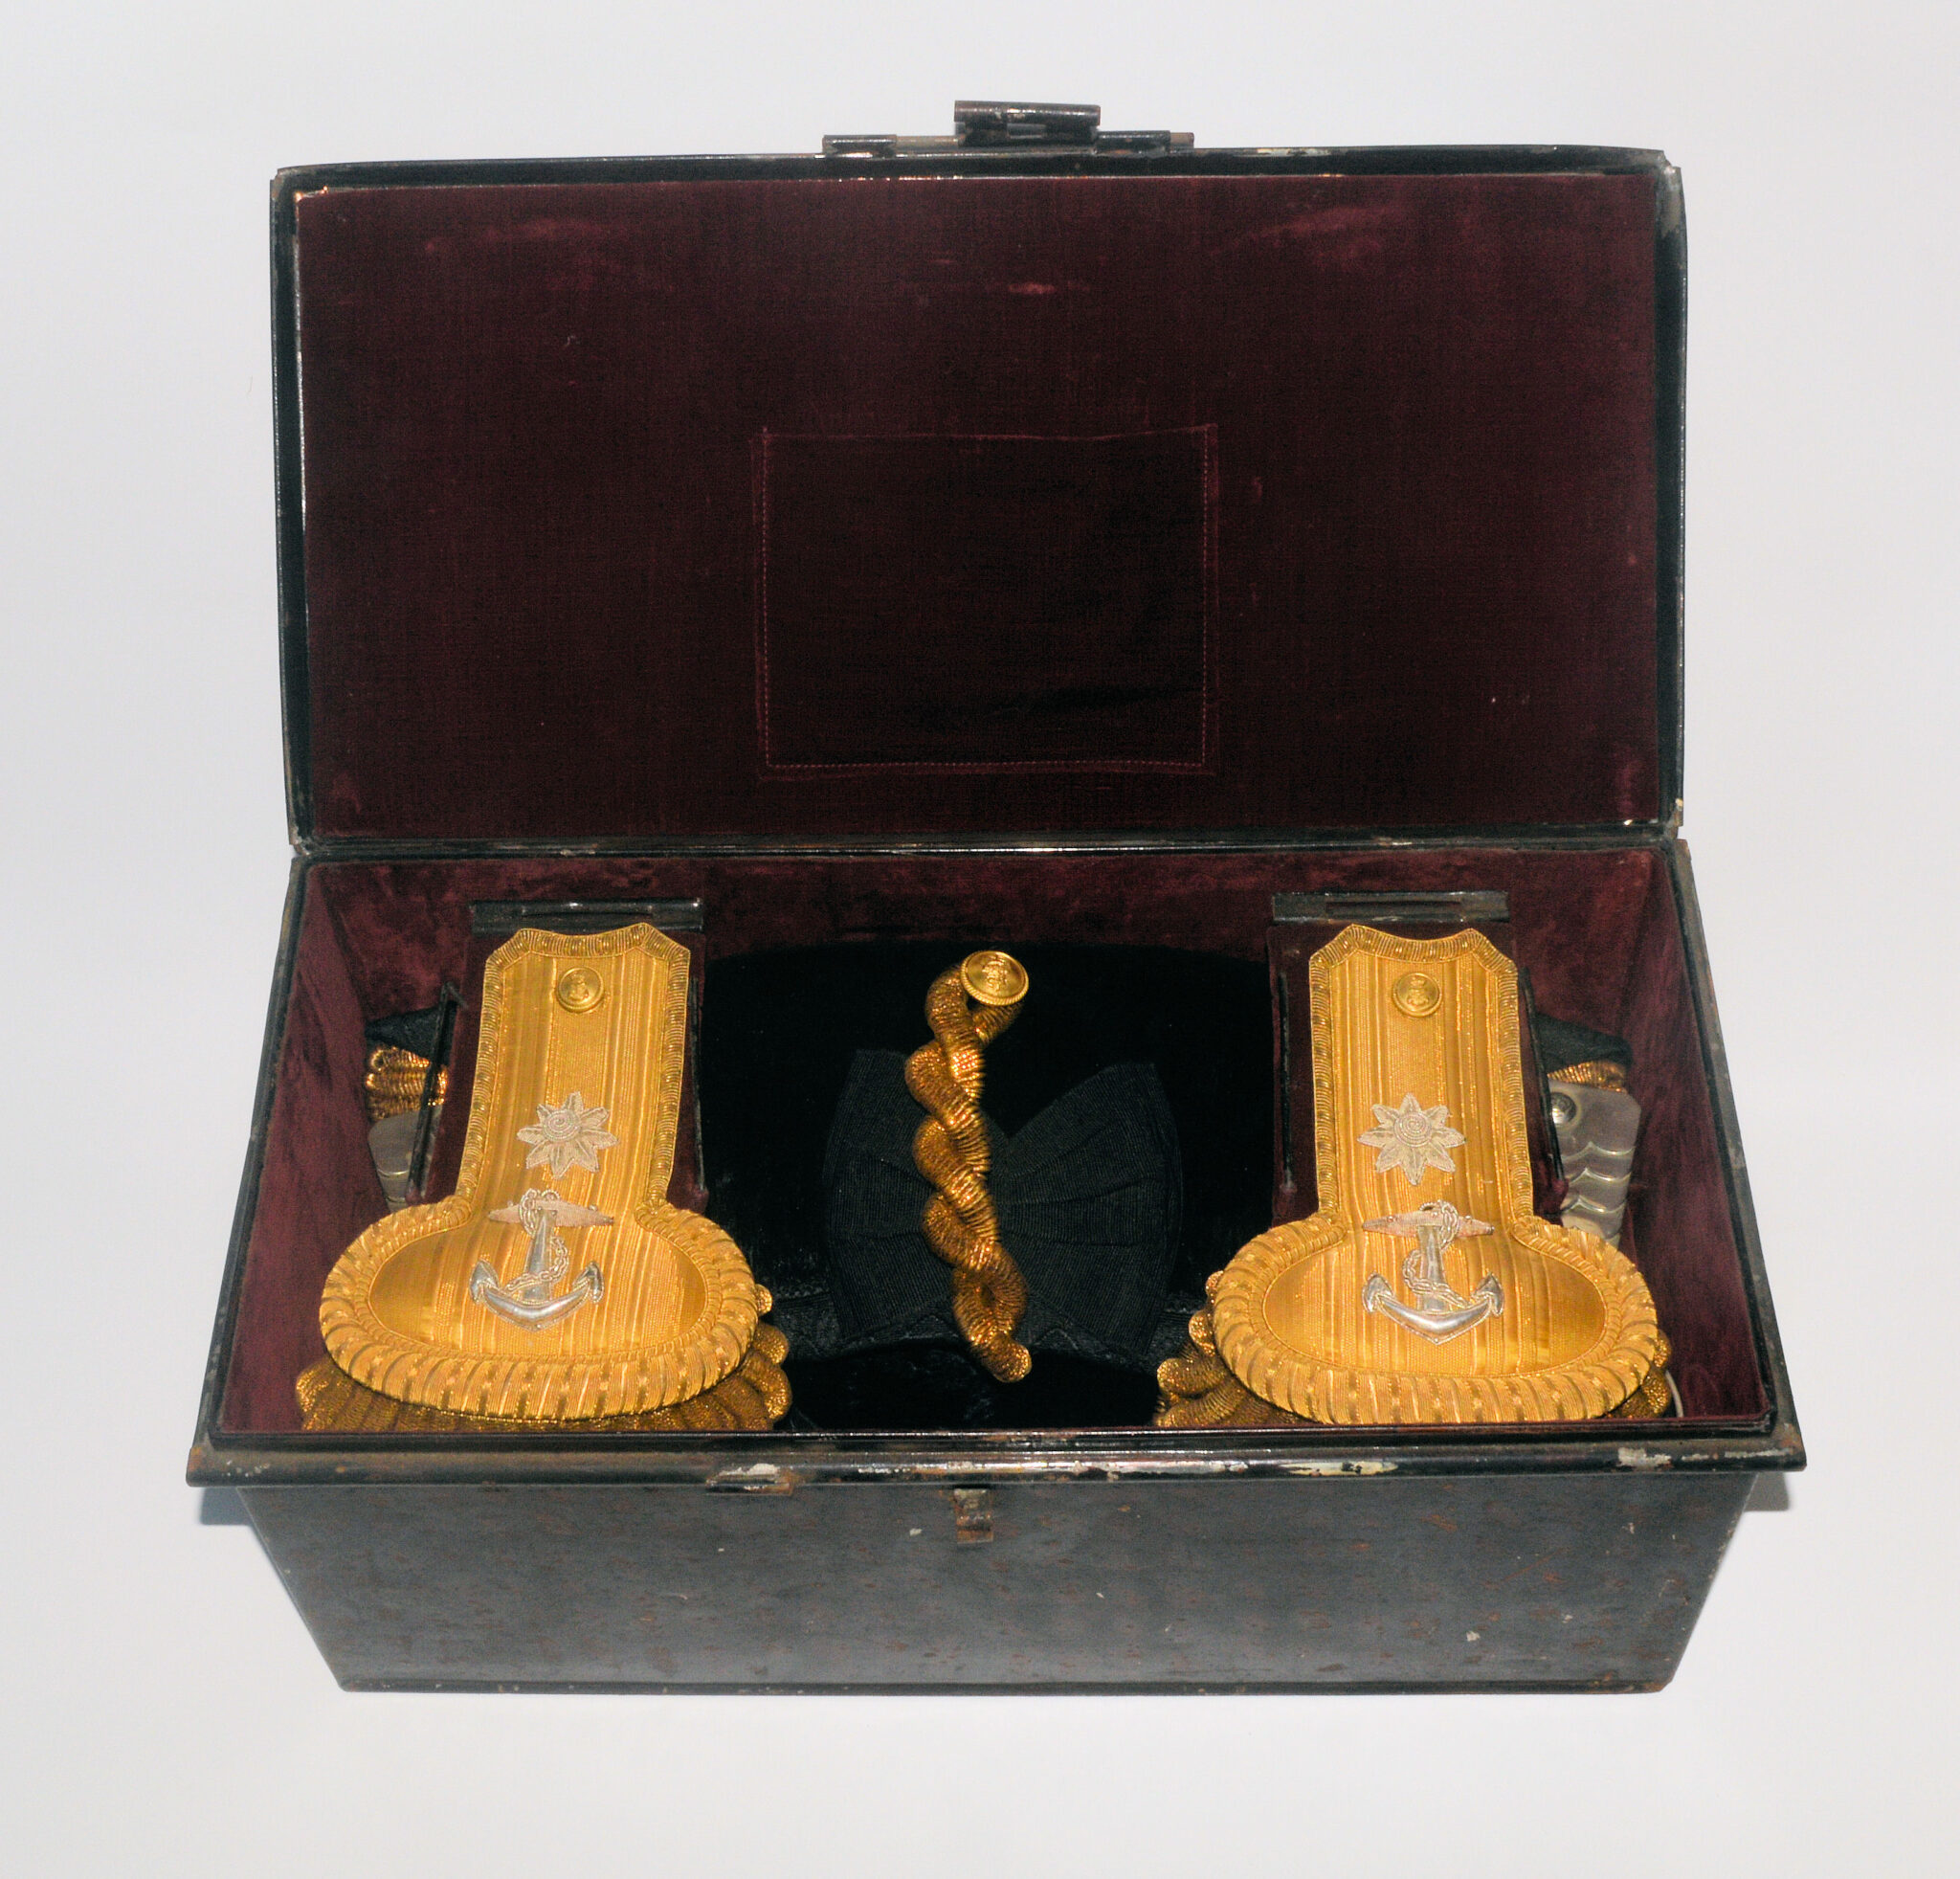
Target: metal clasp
{"x": 983, "y": 123}
{"x": 973, "y": 1517}
{"x": 992, "y": 126}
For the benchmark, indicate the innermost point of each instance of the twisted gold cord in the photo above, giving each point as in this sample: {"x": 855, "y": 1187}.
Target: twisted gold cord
{"x": 950, "y": 1150}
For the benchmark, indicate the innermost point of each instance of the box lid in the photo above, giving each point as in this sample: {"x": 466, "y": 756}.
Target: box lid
{"x": 851, "y": 500}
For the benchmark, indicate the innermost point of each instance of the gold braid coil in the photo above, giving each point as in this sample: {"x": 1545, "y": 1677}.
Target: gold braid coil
{"x": 1196, "y": 1390}
{"x": 1597, "y": 1075}
{"x": 950, "y": 1150}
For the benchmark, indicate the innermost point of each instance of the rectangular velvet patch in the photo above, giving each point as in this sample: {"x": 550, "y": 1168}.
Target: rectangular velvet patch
{"x": 983, "y": 602}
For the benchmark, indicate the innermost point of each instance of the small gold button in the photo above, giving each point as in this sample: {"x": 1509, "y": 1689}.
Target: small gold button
{"x": 581, "y": 990}
{"x": 1416, "y": 994}
{"x": 993, "y": 978}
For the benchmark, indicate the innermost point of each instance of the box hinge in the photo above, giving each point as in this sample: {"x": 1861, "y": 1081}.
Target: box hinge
{"x": 1449, "y": 907}
{"x": 989, "y": 127}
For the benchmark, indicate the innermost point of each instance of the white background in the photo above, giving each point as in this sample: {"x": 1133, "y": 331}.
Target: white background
{"x": 163, "y": 1708}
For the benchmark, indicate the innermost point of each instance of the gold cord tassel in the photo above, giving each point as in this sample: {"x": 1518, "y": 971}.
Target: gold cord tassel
{"x": 950, "y": 1150}
{"x": 1196, "y": 1391}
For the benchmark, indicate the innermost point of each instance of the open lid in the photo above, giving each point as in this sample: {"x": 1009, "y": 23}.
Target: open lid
{"x": 903, "y": 495}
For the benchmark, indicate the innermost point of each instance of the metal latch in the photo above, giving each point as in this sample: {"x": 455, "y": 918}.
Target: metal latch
{"x": 982, "y": 124}
{"x": 983, "y": 127}
{"x": 973, "y": 1517}
{"x": 753, "y": 1478}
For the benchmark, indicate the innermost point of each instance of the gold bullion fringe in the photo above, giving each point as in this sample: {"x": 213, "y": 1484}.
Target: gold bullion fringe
{"x": 754, "y": 1397}
{"x": 1599, "y": 1074}
{"x": 1196, "y": 1390}
{"x": 950, "y": 1150}
{"x": 1653, "y": 1398}
{"x": 395, "y": 1079}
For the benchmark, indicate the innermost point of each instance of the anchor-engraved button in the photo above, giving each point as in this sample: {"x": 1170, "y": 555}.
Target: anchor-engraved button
{"x": 1440, "y": 1311}
{"x": 528, "y": 1299}
{"x": 1416, "y": 994}
{"x": 993, "y": 978}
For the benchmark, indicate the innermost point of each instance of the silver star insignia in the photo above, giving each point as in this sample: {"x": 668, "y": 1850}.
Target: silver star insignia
{"x": 570, "y": 1135}
{"x": 1412, "y": 1140}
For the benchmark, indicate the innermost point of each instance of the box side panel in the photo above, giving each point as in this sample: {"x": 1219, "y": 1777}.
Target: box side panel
{"x": 1683, "y": 1227}
{"x": 1502, "y": 1582}
{"x": 1724, "y": 1132}
{"x": 225, "y": 1326}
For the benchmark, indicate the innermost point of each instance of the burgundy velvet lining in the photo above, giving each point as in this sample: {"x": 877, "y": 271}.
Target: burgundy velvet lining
{"x": 316, "y": 1186}
{"x": 532, "y": 544}
{"x": 985, "y": 603}
{"x": 1597, "y": 930}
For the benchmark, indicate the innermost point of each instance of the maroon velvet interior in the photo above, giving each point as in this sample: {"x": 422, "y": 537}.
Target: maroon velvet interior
{"x": 868, "y": 504}
{"x": 1597, "y": 930}
{"x": 1065, "y": 581}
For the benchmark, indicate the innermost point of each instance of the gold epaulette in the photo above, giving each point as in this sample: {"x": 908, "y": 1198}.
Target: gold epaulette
{"x": 557, "y": 1284}
{"x": 1424, "y": 1289}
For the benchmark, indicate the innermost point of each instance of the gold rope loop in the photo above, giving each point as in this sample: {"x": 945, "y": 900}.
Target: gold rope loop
{"x": 968, "y": 1007}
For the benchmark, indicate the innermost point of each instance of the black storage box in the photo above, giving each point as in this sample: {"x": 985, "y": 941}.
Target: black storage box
{"x": 1066, "y": 544}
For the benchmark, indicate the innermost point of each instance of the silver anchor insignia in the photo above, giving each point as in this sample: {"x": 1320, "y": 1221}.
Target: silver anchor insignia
{"x": 1440, "y": 1312}
{"x": 529, "y": 1300}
